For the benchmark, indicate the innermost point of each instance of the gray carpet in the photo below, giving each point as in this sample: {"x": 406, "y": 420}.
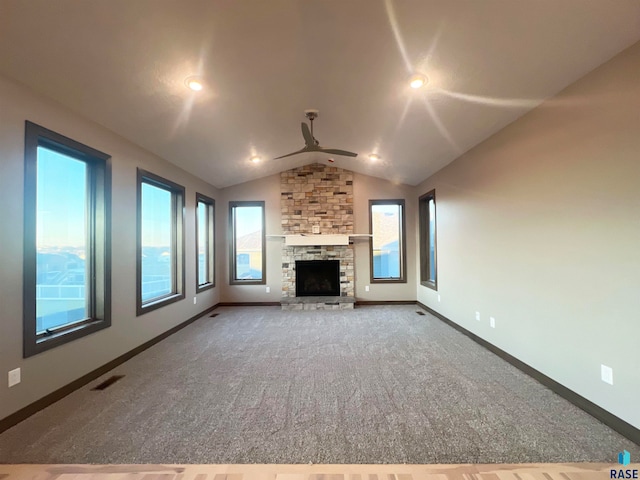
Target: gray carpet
{"x": 258, "y": 385}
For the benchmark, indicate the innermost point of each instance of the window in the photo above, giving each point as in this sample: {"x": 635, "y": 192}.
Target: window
{"x": 160, "y": 262}
{"x": 248, "y": 261}
{"x": 66, "y": 240}
{"x": 387, "y": 225}
{"x": 428, "y": 246}
{"x": 205, "y": 234}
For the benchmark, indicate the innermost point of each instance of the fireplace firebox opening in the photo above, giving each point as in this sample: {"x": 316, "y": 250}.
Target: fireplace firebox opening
{"x": 317, "y": 278}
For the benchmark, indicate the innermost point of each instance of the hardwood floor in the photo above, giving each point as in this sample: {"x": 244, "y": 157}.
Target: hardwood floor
{"x": 541, "y": 471}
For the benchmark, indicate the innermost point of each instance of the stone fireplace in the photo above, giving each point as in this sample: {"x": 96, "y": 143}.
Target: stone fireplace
{"x": 317, "y": 199}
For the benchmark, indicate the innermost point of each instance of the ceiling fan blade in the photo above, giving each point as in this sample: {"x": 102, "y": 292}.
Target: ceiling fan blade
{"x": 306, "y": 133}
{"x": 294, "y": 153}
{"x": 335, "y": 151}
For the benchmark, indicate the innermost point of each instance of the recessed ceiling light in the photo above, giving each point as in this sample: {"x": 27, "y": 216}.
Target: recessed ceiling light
{"x": 373, "y": 157}
{"x": 417, "y": 80}
{"x": 194, "y": 83}
{"x": 255, "y": 159}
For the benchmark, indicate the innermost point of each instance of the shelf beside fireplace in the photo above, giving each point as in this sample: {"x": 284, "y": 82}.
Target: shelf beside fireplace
{"x": 319, "y": 239}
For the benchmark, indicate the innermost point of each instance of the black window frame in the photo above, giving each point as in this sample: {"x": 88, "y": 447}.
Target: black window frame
{"x": 177, "y": 234}
{"x": 98, "y": 240}
{"x": 210, "y": 204}
{"x": 402, "y": 243}
{"x": 232, "y": 243}
{"x": 424, "y": 235}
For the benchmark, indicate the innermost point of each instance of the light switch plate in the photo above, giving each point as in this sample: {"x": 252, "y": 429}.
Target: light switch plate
{"x": 606, "y": 373}
{"x": 492, "y": 322}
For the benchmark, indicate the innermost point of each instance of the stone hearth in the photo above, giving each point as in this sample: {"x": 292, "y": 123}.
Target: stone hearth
{"x": 317, "y": 303}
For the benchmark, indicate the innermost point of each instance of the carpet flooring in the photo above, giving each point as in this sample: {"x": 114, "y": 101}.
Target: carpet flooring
{"x": 259, "y": 385}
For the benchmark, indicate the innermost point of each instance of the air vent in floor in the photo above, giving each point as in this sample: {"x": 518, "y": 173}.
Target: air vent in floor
{"x": 214, "y": 315}
{"x": 108, "y": 382}
{"x": 419, "y": 312}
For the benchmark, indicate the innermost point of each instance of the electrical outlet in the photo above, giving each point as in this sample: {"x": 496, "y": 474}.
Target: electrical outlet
{"x": 268, "y": 289}
{"x": 14, "y": 377}
{"x": 195, "y": 300}
{"x": 492, "y": 322}
{"x": 366, "y": 288}
{"x": 478, "y": 316}
{"x": 606, "y": 374}
{"x": 438, "y": 298}
{"x": 315, "y": 229}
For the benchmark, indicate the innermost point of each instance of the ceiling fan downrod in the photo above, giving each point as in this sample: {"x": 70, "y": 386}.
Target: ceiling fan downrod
{"x": 312, "y": 114}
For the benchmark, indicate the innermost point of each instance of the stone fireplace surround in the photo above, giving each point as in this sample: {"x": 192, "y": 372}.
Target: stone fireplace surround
{"x": 321, "y": 196}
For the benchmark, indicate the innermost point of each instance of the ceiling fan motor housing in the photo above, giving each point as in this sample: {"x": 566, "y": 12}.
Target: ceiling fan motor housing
{"x": 311, "y": 113}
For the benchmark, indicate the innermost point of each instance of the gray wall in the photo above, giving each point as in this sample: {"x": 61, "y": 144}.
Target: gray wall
{"x": 364, "y": 189}
{"x": 55, "y": 368}
{"x": 367, "y": 188}
{"x": 539, "y": 227}
{"x": 268, "y": 190}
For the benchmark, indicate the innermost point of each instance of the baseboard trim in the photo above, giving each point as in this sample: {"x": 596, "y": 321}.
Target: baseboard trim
{"x": 249, "y": 304}
{"x": 384, "y": 302}
{"x": 62, "y": 392}
{"x": 599, "y": 413}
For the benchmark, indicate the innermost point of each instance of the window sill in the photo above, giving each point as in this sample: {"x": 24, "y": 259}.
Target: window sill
{"x": 205, "y": 286}
{"x": 247, "y": 282}
{"x": 431, "y": 285}
{"x": 159, "y": 303}
{"x": 46, "y": 342}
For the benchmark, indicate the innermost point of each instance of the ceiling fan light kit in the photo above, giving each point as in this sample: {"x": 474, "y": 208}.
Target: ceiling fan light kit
{"x": 310, "y": 142}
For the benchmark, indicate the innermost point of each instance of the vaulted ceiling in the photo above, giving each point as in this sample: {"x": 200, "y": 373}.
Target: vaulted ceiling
{"x": 123, "y": 64}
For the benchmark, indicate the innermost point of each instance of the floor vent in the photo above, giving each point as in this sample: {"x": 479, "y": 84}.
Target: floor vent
{"x": 108, "y": 382}
{"x": 419, "y": 312}
{"x": 214, "y": 315}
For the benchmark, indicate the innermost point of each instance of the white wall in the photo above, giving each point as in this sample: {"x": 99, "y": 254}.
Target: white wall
{"x": 539, "y": 227}
{"x": 48, "y": 371}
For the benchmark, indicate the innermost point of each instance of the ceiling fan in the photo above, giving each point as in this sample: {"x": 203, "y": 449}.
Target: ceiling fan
{"x": 311, "y": 144}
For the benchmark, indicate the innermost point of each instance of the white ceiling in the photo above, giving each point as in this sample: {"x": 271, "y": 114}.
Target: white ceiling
{"x": 123, "y": 63}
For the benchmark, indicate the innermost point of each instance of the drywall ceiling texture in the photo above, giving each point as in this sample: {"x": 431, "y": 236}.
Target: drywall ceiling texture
{"x": 538, "y": 227}
{"x": 123, "y": 64}
{"x": 55, "y": 368}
